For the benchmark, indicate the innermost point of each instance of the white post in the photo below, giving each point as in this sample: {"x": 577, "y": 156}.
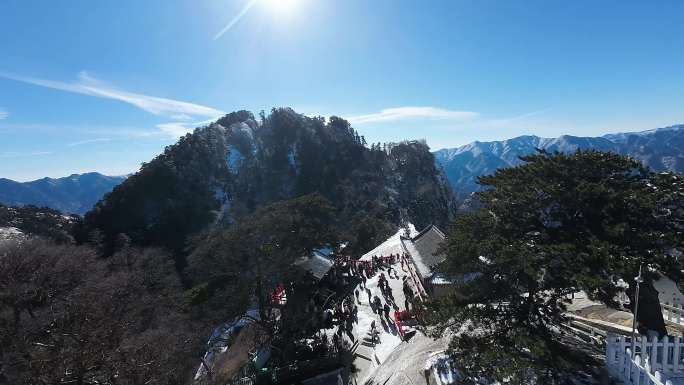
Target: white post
{"x": 638, "y": 281}
{"x": 610, "y": 352}
{"x": 654, "y": 353}
{"x": 626, "y": 365}
{"x": 643, "y": 342}
{"x": 675, "y": 355}
{"x": 635, "y": 373}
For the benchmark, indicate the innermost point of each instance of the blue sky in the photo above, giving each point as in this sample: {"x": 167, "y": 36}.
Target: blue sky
{"x": 105, "y": 85}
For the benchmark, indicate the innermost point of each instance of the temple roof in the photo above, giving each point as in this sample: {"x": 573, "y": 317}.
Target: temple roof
{"x": 423, "y": 249}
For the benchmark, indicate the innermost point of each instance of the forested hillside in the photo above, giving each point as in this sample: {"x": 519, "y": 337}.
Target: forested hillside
{"x": 42, "y": 222}
{"x": 228, "y": 169}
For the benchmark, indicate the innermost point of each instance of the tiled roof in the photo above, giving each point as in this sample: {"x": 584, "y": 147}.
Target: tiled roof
{"x": 318, "y": 264}
{"x": 423, "y": 249}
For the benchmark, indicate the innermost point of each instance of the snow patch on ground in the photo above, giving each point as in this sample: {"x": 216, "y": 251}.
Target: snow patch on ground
{"x": 391, "y": 246}
{"x": 406, "y": 364}
{"x": 369, "y": 355}
{"x": 10, "y": 234}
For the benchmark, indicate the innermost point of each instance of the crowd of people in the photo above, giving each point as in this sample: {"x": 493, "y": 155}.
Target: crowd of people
{"x": 382, "y": 301}
{"x": 346, "y": 287}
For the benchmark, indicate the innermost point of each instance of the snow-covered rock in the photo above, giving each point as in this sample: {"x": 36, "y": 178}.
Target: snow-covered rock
{"x": 8, "y": 234}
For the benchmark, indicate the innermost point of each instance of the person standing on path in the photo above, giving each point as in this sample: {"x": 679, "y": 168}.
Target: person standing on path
{"x": 426, "y": 373}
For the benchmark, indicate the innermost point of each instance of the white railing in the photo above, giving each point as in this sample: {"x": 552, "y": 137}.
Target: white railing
{"x": 673, "y": 313}
{"x": 653, "y": 362}
{"x": 585, "y": 331}
{"x": 634, "y": 372}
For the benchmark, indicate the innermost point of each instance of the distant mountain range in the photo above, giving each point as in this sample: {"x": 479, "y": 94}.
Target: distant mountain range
{"x": 661, "y": 149}
{"x": 74, "y": 194}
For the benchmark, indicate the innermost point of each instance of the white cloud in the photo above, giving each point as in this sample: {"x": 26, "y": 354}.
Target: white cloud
{"x": 235, "y": 19}
{"x": 413, "y": 113}
{"x": 181, "y": 117}
{"x": 114, "y": 132}
{"x": 88, "y": 141}
{"x": 88, "y": 85}
{"x": 175, "y": 129}
{"x": 3, "y": 114}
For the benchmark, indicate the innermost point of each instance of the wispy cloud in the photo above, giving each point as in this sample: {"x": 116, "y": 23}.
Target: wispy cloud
{"x": 174, "y": 129}
{"x": 88, "y": 141}
{"x": 413, "y": 113}
{"x": 125, "y": 132}
{"x": 513, "y": 120}
{"x": 236, "y": 19}
{"x": 88, "y": 85}
{"x": 17, "y": 154}
{"x": 89, "y": 130}
{"x": 3, "y": 114}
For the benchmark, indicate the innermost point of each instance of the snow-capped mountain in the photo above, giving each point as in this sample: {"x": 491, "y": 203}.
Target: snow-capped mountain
{"x": 76, "y": 193}
{"x": 660, "y": 149}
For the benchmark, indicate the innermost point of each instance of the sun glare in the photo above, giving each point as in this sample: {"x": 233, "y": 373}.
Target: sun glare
{"x": 282, "y": 6}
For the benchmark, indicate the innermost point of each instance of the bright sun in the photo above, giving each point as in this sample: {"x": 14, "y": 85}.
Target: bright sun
{"x": 282, "y": 6}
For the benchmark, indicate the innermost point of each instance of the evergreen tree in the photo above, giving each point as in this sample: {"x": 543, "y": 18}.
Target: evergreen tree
{"x": 255, "y": 254}
{"x": 552, "y": 226}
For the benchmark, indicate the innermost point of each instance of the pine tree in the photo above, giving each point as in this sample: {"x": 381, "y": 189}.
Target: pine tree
{"x": 548, "y": 228}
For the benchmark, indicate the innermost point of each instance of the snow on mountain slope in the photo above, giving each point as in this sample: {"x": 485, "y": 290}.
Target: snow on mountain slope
{"x": 660, "y": 149}
{"x": 8, "y": 234}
